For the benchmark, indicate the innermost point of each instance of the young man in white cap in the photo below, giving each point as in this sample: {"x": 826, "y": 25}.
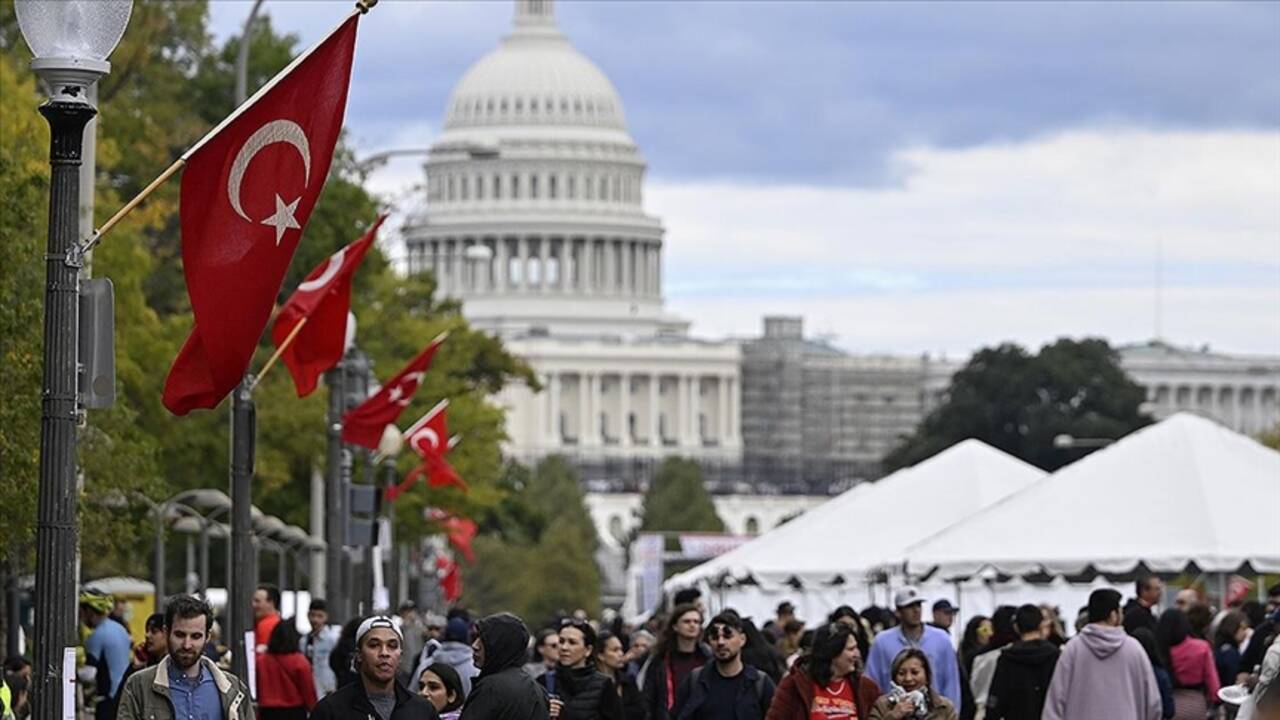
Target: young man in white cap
{"x": 375, "y": 695}
{"x": 911, "y": 632}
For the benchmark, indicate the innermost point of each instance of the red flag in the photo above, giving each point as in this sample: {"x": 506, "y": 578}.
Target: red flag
{"x": 450, "y": 578}
{"x": 460, "y": 532}
{"x": 363, "y": 424}
{"x": 247, "y": 192}
{"x": 427, "y": 437}
{"x": 323, "y": 299}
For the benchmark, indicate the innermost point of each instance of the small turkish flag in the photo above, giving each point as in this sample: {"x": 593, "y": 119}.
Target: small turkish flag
{"x": 363, "y": 424}
{"x": 460, "y": 532}
{"x": 428, "y": 438}
{"x": 323, "y": 299}
{"x": 247, "y": 191}
{"x": 450, "y": 578}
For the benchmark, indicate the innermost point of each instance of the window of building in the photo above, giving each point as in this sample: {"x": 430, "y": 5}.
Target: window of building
{"x": 571, "y": 187}
{"x": 533, "y": 187}
{"x": 604, "y": 187}
{"x": 753, "y": 526}
{"x": 551, "y": 187}
{"x": 515, "y": 186}
{"x": 590, "y": 187}
{"x": 479, "y": 187}
{"x": 453, "y": 188}
{"x": 617, "y": 189}
{"x": 463, "y": 186}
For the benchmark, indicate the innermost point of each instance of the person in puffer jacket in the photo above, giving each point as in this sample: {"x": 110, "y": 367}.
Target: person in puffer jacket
{"x": 577, "y": 690}
{"x": 503, "y": 690}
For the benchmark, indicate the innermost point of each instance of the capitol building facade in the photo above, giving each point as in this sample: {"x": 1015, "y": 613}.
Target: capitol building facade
{"x": 535, "y": 221}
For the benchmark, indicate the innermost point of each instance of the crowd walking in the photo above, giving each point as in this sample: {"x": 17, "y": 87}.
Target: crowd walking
{"x": 1134, "y": 661}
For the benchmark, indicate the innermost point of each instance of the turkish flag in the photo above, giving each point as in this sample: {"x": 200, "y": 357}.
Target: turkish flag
{"x": 460, "y": 532}
{"x": 363, "y": 424}
{"x": 247, "y": 192}
{"x": 323, "y": 300}
{"x": 429, "y": 438}
{"x": 450, "y": 578}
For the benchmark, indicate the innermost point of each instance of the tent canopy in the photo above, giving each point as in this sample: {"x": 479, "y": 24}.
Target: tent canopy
{"x": 843, "y": 539}
{"x": 1183, "y": 492}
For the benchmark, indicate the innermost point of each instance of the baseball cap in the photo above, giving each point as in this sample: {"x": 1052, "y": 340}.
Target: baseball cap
{"x": 376, "y": 622}
{"x": 945, "y": 605}
{"x": 907, "y": 596}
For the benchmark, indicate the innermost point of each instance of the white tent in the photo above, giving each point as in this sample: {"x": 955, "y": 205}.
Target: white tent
{"x": 826, "y": 554}
{"x": 1184, "y": 492}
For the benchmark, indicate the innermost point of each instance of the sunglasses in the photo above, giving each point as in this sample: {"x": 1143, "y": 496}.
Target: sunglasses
{"x": 721, "y": 631}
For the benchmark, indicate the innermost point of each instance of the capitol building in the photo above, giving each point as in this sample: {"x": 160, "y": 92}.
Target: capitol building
{"x": 535, "y": 221}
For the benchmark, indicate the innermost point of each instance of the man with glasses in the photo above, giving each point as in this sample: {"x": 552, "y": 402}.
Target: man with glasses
{"x": 728, "y": 689}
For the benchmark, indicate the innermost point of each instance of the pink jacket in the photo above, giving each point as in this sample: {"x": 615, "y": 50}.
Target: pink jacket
{"x": 1193, "y": 666}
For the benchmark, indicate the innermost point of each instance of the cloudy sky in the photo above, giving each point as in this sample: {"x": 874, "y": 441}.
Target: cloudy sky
{"x": 909, "y": 177}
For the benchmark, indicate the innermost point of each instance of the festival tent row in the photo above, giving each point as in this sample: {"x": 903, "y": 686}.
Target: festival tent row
{"x": 831, "y": 554}
{"x": 1183, "y": 495}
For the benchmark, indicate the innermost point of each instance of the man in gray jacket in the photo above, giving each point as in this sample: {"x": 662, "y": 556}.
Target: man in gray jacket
{"x": 185, "y": 685}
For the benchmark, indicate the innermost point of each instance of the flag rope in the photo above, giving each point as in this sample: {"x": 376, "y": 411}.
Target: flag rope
{"x": 279, "y": 351}
{"x": 75, "y": 257}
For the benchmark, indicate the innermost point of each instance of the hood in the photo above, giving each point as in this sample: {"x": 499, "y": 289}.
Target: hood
{"x": 453, "y": 653}
{"x": 1030, "y": 654}
{"x": 1102, "y": 640}
{"x": 506, "y": 643}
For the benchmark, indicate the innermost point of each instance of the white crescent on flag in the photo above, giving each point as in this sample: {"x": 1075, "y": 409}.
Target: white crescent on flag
{"x": 422, "y": 437}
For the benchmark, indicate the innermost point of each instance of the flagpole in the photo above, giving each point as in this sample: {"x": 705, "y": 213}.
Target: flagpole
{"x": 362, "y": 7}
{"x": 279, "y": 351}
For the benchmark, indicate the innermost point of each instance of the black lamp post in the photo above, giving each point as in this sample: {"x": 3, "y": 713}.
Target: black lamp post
{"x": 71, "y": 41}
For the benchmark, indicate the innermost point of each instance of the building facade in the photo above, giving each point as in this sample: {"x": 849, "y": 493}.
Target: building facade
{"x": 820, "y": 419}
{"x": 1240, "y": 391}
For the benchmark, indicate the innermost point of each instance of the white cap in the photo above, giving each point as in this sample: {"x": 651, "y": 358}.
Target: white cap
{"x": 907, "y": 596}
{"x": 375, "y": 622}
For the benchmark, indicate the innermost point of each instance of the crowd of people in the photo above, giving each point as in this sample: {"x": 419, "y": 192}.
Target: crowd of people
{"x": 1134, "y": 661}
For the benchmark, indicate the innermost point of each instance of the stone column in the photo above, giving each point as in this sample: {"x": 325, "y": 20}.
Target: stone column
{"x": 597, "y": 408}
{"x": 566, "y": 252}
{"x": 695, "y": 409}
{"x": 722, "y": 426}
{"x": 544, "y": 261}
{"x": 584, "y": 411}
{"x": 655, "y": 411}
{"x": 625, "y": 287}
{"x": 522, "y": 252}
{"x": 555, "y": 436}
{"x": 682, "y": 411}
{"x": 624, "y": 409}
{"x": 501, "y": 263}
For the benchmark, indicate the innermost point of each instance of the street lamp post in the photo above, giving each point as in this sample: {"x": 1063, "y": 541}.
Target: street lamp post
{"x": 71, "y": 42}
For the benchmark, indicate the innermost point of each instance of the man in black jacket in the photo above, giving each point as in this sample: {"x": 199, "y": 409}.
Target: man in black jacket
{"x": 503, "y": 690}
{"x": 375, "y": 695}
{"x": 727, "y": 689}
{"x": 1024, "y": 669}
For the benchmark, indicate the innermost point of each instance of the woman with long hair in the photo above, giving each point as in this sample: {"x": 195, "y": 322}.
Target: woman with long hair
{"x": 826, "y": 681}
{"x": 1232, "y": 629}
{"x": 977, "y": 635}
{"x": 611, "y": 661}
{"x": 442, "y": 687}
{"x": 912, "y": 697}
{"x": 579, "y": 691}
{"x": 286, "y": 687}
{"x": 678, "y": 652}
{"x": 1195, "y": 677}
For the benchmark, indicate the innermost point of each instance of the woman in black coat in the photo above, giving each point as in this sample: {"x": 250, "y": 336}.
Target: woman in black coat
{"x": 577, "y": 690}
{"x": 611, "y": 661}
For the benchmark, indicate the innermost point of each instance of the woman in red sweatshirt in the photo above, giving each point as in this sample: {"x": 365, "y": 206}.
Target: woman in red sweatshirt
{"x": 286, "y": 688}
{"x": 826, "y": 682}
{"x": 1191, "y": 663}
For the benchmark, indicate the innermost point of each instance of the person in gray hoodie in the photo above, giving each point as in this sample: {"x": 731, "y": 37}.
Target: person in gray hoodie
{"x": 1103, "y": 673}
{"x": 455, "y": 652}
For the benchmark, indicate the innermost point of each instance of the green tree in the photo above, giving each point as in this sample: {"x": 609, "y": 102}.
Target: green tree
{"x": 1019, "y": 402}
{"x": 677, "y": 500}
{"x": 537, "y": 556}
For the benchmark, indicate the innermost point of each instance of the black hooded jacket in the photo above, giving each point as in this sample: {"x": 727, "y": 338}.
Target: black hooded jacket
{"x": 351, "y": 702}
{"x": 503, "y": 690}
{"x": 586, "y": 693}
{"x": 1021, "y": 680}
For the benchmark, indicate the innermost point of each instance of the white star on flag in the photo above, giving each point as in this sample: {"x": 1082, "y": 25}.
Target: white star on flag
{"x": 283, "y": 218}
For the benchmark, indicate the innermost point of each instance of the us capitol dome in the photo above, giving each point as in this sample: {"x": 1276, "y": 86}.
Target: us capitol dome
{"x": 535, "y": 220}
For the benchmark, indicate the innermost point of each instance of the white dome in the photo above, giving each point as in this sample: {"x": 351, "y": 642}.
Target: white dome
{"x": 534, "y": 78}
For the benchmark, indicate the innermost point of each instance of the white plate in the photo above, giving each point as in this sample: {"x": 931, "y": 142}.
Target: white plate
{"x": 1234, "y": 694}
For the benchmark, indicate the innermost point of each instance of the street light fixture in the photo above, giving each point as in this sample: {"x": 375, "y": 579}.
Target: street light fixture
{"x": 71, "y": 40}
{"x": 1065, "y": 442}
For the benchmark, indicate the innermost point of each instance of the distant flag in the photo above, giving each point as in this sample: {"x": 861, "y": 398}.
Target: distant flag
{"x": 247, "y": 192}
{"x": 460, "y": 532}
{"x": 363, "y": 425}
{"x": 320, "y": 306}
{"x": 427, "y": 437}
{"x": 450, "y": 576}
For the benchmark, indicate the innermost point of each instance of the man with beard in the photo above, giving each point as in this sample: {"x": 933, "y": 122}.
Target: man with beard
{"x": 503, "y": 690}
{"x": 185, "y": 685}
{"x": 375, "y": 695}
{"x": 729, "y": 689}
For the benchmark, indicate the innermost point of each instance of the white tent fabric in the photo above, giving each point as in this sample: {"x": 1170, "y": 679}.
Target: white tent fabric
{"x": 841, "y": 540}
{"x": 1184, "y": 491}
